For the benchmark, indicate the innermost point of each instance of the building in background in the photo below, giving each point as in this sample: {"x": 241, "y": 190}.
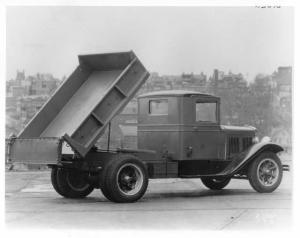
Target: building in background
{"x": 282, "y": 107}
{"x": 25, "y": 96}
{"x": 283, "y": 81}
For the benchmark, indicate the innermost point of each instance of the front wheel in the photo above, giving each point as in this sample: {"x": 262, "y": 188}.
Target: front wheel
{"x": 125, "y": 180}
{"x": 215, "y": 183}
{"x": 70, "y": 183}
{"x": 265, "y": 172}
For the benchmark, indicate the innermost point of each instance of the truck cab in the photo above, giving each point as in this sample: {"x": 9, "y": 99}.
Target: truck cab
{"x": 185, "y": 126}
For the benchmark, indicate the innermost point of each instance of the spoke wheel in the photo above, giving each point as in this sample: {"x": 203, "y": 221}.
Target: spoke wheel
{"x": 265, "y": 172}
{"x": 268, "y": 172}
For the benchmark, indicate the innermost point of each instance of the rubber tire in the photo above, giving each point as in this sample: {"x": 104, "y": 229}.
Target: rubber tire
{"x": 104, "y": 189}
{"x": 110, "y": 187}
{"x": 55, "y": 183}
{"x": 60, "y": 182}
{"x": 213, "y": 185}
{"x": 252, "y": 173}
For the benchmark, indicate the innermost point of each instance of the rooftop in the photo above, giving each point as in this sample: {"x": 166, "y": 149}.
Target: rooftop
{"x": 174, "y": 93}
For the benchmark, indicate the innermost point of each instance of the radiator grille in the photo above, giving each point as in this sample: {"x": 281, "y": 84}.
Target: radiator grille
{"x": 233, "y": 145}
{"x": 247, "y": 142}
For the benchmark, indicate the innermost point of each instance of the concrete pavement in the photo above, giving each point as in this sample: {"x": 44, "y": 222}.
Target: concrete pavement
{"x": 32, "y": 203}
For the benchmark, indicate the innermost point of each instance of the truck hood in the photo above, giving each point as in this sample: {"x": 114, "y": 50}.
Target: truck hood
{"x": 238, "y": 128}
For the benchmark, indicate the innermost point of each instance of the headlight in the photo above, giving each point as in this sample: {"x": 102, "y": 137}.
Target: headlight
{"x": 255, "y": 140}
{"x": 266, "y": 139}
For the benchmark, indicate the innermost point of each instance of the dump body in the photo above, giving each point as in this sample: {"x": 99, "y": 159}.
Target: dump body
{"x": 81, "y": 108}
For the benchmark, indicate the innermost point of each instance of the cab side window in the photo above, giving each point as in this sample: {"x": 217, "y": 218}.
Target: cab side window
{"x": 158, "y": 107}
{"x": 206, "y": 112}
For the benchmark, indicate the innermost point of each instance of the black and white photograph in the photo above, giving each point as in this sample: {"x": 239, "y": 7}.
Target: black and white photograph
{"x": 167, "y": 117}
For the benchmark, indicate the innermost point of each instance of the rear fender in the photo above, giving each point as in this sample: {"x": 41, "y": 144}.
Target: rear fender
{"x": 243, "y": 158}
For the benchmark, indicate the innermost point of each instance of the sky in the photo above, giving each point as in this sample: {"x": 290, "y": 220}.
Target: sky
{"x": 168, "y": 40}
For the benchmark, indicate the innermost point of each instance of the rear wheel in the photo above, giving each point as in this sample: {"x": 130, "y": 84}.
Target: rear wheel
{"x": 70, "y": 183}
{"x": 265, "y": 172}
{"x": 54, "y": 181}
{"x": 215, "y": 183}
{"x": 125, "y": 180}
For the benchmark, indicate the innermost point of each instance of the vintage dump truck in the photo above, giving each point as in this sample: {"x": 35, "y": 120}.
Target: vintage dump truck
{"x": 179, "y": 136}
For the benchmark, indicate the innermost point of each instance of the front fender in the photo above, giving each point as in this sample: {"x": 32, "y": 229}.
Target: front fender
{"x": 241, "y": 159}
{"x": 261, "y": 147}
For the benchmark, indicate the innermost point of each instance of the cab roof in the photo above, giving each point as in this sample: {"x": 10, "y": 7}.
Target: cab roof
{"x": 178, "y": 93}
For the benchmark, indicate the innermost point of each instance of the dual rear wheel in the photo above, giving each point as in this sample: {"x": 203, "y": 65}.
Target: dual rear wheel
{"x": 123, "y": 180}
{"x": 70, "y": 183}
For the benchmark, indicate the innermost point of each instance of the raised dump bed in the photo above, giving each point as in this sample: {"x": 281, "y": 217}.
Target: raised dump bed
{"x": 81, "y": 108}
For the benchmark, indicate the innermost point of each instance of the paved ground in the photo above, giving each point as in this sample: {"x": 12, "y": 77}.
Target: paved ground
{"x": 168, "y": 204}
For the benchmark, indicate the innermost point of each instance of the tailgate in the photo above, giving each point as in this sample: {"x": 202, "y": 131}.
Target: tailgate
{"x": 35, "y": 150}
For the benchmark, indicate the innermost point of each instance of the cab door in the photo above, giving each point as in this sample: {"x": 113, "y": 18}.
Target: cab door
{"x": 203, "y": 138}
